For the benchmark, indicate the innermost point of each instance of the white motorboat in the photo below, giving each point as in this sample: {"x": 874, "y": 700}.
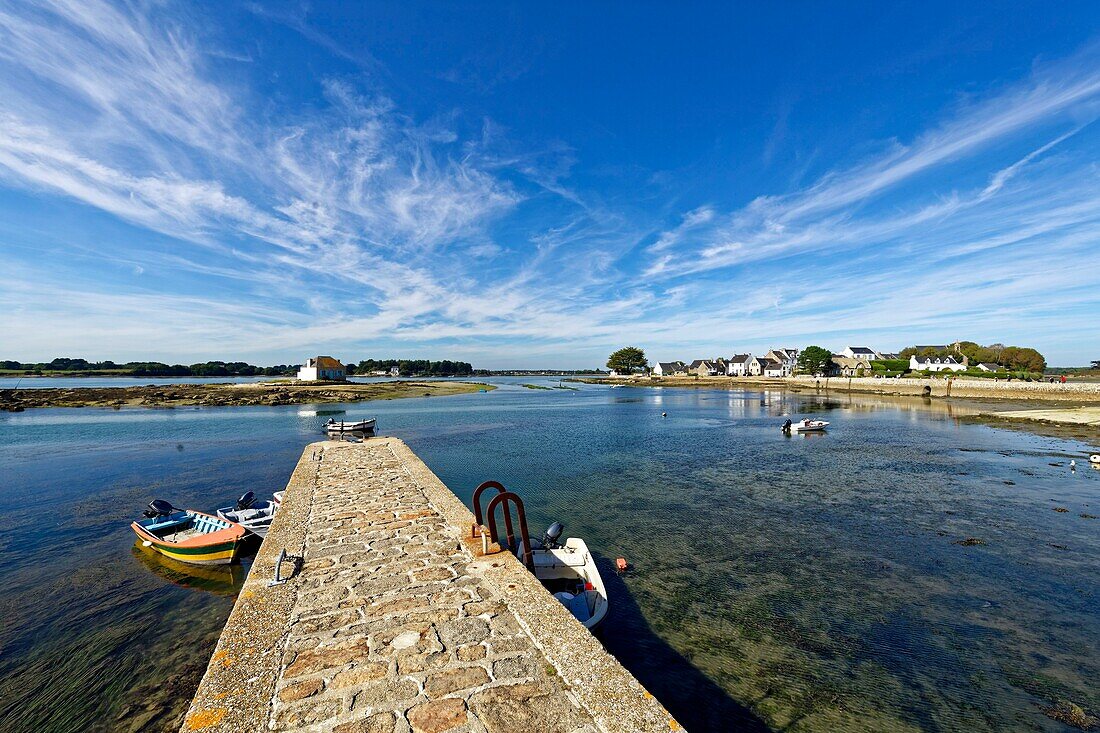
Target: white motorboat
{"x": 343, "y": 426}
{"x": 809, "y": 426}
{"x": 254, "y": 516}
{"x": 277, "y": 497}
{"x": 1095, "y": 459}
{"x": 569, "y": 572}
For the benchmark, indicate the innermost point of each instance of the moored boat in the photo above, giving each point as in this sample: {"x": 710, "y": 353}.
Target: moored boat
{"x": 187, "y": 535}
{"x": 254, "y": 516}
{"x": 343, "y": 426}
{"x": 277, "y": 497}
{"x": 1095, "y": 459}
{"x": 569, "y": 572}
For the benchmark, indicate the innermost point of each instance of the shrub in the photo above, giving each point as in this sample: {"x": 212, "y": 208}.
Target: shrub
{"x": 890, "y": 365}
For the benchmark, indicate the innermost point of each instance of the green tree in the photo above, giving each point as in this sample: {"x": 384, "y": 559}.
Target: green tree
{"x": 627, "y": 360}
{"x": 814, "y": 360}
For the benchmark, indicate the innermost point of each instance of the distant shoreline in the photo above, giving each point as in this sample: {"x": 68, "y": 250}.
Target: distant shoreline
{"x": 1079, "y": 392}
{"x": 230, "y": 394}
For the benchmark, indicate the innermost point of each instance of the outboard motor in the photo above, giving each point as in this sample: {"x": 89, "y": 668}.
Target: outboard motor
{"x": 158, "y": 508}
{"x": 787, "y": 426}
{"x": 246, "y": 500}
{"x": 550, "y": 539}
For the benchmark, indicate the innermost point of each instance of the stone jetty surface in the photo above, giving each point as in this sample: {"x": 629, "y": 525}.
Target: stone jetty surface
{"x": 396, "y": 622}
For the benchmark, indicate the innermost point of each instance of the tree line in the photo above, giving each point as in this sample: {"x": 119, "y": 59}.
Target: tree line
{"x": 413, "y": 367}
{"x": 152, "y": 368}
{"x": 1013, "y": 358}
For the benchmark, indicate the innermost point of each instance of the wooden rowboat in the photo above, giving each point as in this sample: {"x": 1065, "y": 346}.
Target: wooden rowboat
{"x": 187, "y": 535}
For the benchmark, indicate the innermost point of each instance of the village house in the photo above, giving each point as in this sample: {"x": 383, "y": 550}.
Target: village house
{"x": 860, "y": 352}
{"x": 987, "y": 367}
{"x": 702, "y": 368}
{"x": 754, "y": 367}
{"x": 787, "y": 358}
{"x": 772, "y": 368}
{"x": 669, "y": 368}
{"x": 737, "y": 366}
{"x": 847, "y": 366}
{"x": 936, "y": 364}
{"x": 318, "y": 368}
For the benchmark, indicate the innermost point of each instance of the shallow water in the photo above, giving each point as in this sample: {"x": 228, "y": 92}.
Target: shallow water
{"x": 795, "y": 583}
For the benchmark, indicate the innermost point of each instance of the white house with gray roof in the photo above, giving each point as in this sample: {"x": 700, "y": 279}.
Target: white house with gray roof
{"x": 737, "y": 365}
{"x": 859, "y": 352}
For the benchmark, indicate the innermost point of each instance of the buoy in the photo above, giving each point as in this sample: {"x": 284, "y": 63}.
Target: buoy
{"x": 621, "y": 564}
{"x": 146, "y": 543}
{"x": 664, "y": 414}
{"x": 1072, "y": 465}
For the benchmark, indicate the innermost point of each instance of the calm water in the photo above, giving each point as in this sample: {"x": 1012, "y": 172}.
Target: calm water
{"x": 802, "y": 583}
{"x": 74, "y": 382}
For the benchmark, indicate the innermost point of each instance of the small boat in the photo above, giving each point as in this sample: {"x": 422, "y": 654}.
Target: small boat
{"x": 569, "y": 572}
{"x": 810, "y": 426}
{"x": 254, "y": 516}
{"x": 187, "y": 535}
{"x": 277, "y": 497}
{"x": 343, "y": 426}
{"x": 1095, "y": 459}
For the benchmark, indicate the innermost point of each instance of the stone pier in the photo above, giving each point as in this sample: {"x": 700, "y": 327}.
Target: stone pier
{"x": 395, "y": 623}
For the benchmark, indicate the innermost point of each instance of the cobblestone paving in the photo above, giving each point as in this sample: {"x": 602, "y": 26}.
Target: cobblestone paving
{"x": 392, "y": 633}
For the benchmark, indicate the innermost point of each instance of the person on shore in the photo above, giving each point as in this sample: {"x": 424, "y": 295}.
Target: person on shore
{"x": 1063, "y": 379}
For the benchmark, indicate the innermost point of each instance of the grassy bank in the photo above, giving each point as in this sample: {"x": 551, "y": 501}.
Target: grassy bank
{"x": 179, "y": 395}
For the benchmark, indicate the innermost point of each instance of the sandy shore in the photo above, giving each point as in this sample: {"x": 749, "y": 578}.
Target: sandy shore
{"x": 275, "y": 393}
{"x": 1064, "y": 416}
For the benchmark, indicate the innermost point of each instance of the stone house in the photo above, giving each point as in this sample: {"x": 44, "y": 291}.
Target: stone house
{"x": 322, "y": 368}
{"x": 702, "y": 368}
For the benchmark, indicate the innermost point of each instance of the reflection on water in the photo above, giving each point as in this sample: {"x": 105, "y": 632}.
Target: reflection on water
{"x": 223, "y": 580}
{"x": 810, "y": 582}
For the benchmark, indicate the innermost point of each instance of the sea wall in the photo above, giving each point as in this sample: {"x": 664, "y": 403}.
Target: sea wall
{"x": 396, "y": 622}
{"x": 975, "y": 388}
{"x": 1078, "y": 392}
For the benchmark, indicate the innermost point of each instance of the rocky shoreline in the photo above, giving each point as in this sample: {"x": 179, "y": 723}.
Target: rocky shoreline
{"x": 226, "y": 395}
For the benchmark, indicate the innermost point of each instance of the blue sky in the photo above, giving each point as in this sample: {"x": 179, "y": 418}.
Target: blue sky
{"x": 534, "y": 185}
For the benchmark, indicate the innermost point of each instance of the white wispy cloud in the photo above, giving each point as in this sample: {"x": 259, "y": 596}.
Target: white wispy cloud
{"x": 351, "y": 222}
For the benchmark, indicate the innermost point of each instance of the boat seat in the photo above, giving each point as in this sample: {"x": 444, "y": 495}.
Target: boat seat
{"x": 578, "y": 606}
{"x": 169, "y": 521}
{"x": 566, "y": 559}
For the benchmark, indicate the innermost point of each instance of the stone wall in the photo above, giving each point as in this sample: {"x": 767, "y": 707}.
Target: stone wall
{"x": 977, "y": 388}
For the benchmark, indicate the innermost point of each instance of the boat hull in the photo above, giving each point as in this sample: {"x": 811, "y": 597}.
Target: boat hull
{"x": 570, "y": 564}
{"x": 351, "y": 427}
{"x": 212, "y": 548}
